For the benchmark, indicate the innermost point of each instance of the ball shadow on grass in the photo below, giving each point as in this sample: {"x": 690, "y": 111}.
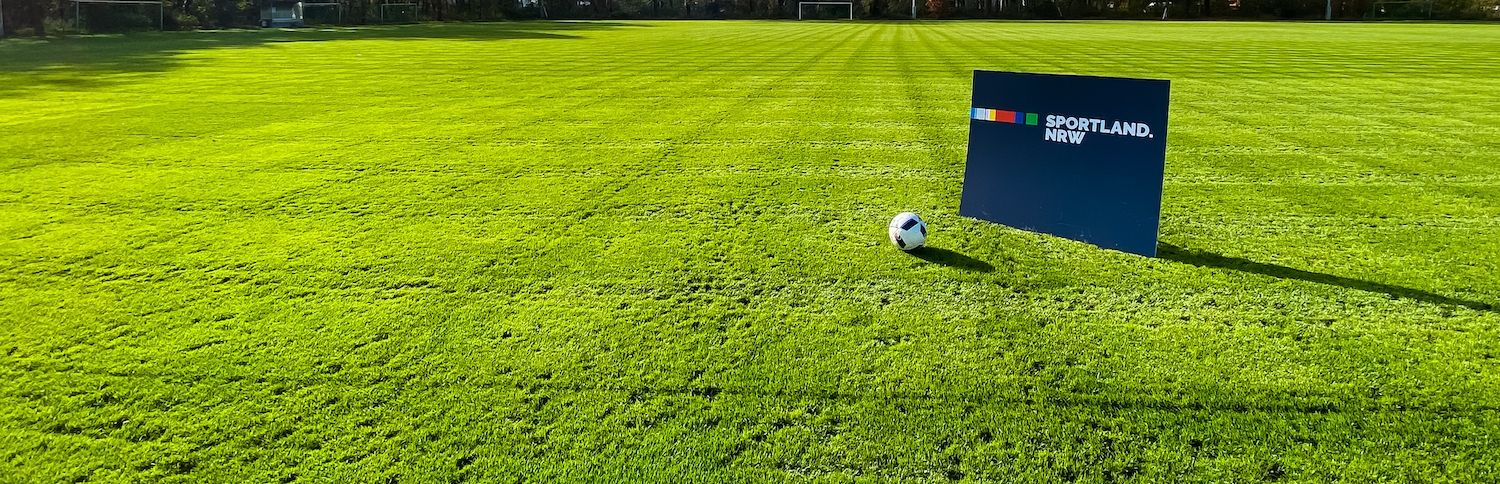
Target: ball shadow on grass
{"x": 951, "y": 259}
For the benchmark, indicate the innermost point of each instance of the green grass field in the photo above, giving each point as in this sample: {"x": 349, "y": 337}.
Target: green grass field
{"x": 657, "y": 251}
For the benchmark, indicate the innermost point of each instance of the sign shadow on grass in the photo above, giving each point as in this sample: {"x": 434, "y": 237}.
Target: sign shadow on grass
{"x": 951, "y": 259}
{"x": 1209, "y": 259}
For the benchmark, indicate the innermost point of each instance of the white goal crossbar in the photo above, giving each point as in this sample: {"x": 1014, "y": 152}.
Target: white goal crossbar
{"x": 800, "y": 4}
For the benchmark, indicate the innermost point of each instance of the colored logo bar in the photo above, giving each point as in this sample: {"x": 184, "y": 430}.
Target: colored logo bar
{"x": 1002, "y": 116}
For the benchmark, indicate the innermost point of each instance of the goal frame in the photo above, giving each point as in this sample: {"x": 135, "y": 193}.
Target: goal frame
{"x": 1375, "y": 8}
{"x": 161, "y": 16}
{"x": 337, "y": 5}
{"x": 416, "y": 13}
{"x": 850, "y": 4}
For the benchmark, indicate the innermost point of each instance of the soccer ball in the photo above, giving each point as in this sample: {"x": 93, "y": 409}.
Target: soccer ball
{"x": 908, "y": 231}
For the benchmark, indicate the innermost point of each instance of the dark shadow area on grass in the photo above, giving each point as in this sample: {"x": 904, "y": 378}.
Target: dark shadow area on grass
{"x": 951, "y": 259}
{"x": 93, "y": 61}
{"x": 1209, "y": 259}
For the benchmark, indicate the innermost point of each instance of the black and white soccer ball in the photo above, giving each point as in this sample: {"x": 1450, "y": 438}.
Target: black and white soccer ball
{"x": 908, "y": 231}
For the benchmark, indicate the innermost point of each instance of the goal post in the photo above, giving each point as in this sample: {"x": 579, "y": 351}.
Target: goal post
{"x": 801, "y": 7}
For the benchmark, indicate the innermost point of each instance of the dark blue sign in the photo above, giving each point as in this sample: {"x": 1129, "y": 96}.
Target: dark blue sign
{"x": 1073, "y": 156}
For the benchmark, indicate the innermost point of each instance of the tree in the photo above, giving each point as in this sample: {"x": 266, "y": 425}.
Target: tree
{"x": 33, "y": 12}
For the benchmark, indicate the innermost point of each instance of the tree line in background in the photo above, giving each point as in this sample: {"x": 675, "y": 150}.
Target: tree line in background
{"x": 38, "y": 17}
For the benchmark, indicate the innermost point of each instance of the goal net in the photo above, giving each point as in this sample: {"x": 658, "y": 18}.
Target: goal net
{"x": 823, "y": 10}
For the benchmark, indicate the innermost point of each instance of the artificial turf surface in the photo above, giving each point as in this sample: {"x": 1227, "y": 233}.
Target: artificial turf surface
{"x": 657, "y": 251}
